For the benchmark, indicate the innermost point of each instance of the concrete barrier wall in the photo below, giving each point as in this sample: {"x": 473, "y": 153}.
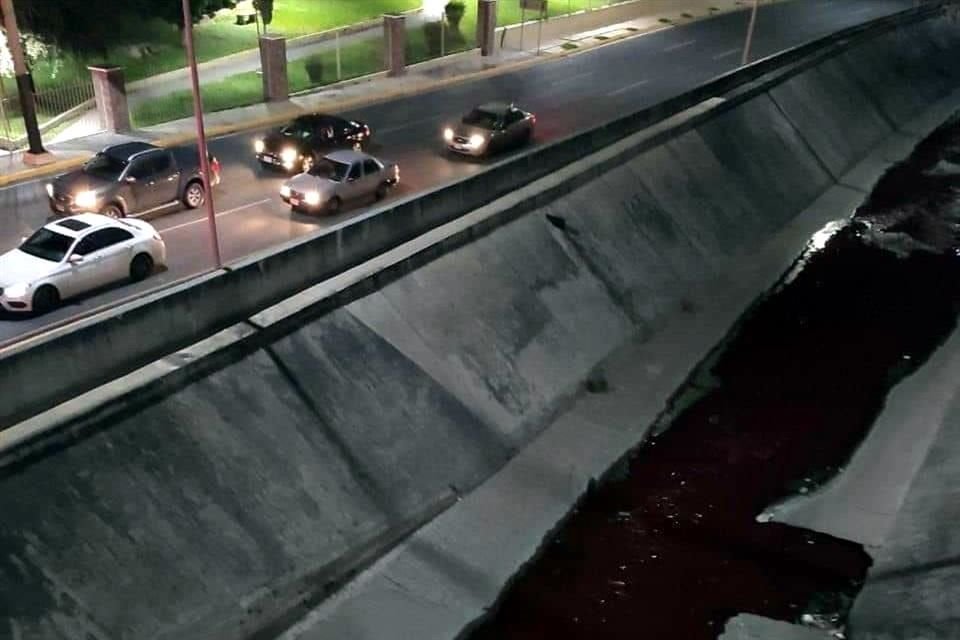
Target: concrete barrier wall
{"x": 215, "y": 508}
{"x": 125, "y": 338}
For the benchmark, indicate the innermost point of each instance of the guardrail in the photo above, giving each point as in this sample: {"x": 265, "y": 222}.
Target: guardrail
{"x": 46, "y": 370}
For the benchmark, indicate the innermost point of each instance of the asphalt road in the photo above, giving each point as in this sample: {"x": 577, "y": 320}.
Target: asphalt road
{"x": 567, "y": 95}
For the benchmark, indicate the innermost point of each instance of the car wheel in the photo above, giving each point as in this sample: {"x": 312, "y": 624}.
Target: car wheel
{"x": 45, "y": 299}
{"x": 194, "y": 196}
{"x": 140, "y": 267}
{"x": 333, "y": 206}
{"x": 112, "y": 210}
{"x": 382, "y": 191}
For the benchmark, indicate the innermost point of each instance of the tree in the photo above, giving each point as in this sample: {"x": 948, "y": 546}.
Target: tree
{"x": 265, "y": 7}
{"x": 92, "y": 26}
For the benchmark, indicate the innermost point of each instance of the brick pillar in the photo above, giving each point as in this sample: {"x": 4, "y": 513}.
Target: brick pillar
{"x": 110, "y": 93}
{"x": 395, "y": 44}
{"x": 486, "y": 26}
{"x": 273, "y": 62}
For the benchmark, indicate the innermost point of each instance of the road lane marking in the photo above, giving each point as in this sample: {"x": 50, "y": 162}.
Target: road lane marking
{"x": 222, "y": 213}
{"x": 726, "y": 54}
{"x": 680, "y": 45}
{"x": 628, "y": 87}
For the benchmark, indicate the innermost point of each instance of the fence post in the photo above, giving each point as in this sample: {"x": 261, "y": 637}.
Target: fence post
{"x": 273, "y": 61}
{"x": 395, "y": 40}
{"x": 110, "y": 95}
{"x": 486, "y": 25}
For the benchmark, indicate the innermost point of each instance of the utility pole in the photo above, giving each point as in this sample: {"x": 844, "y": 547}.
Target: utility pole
{"x": 201, "y": 138}
{"x": 36, "y": 153}
{"x": 753, "y": 22}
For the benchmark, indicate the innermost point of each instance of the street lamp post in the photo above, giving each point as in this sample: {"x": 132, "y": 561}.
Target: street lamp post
{"x": 753, "y": 22}
{"x": 36, "y": 153}
{"x": 201, "y": 138}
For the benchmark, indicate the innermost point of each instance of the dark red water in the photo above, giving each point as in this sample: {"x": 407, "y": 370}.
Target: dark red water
{"x": 673, "y": 549}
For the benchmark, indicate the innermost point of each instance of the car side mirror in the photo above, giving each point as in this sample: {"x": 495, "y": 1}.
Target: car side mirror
{"x": 75, "y": 259}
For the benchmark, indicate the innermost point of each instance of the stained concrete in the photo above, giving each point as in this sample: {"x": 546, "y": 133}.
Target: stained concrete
{"x": 181, "y": 517}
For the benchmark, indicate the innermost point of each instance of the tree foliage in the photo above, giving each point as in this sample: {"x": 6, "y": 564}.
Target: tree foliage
{"x": 94, "y": 25}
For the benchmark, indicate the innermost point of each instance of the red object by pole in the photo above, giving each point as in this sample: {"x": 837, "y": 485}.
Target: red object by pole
{"x": 201, "y": 138}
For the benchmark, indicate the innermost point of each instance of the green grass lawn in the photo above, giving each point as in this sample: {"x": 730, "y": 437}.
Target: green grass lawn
{"x": 357, "y": 59}
{"x": 214, "y": 38}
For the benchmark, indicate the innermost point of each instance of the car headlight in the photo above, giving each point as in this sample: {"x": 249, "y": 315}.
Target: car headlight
{"x": 285, "y": 191}
{"x": 476, "y": 140}
{"x": 86, "y": 199}
{"x": 288, "y": 155}
{"x": 16, "y": 290}
{"x": 258, "y": 146}
{"x": 448, "y": 134}
{"x": 312, "y": 197}
{"x": 49, "y": 190}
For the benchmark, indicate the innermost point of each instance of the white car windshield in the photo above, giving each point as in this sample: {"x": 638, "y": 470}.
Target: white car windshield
{"x": 48, "y": 245}
{"x": 331, "y": 169}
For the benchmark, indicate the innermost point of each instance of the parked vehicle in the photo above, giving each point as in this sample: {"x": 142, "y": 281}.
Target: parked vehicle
{"x": 338, "y": 177}
{"x": 132, "y": 179}
{"x": 490, "y": 128}
{"x": 298, "y": 145}
{"x": 73, "y": 255}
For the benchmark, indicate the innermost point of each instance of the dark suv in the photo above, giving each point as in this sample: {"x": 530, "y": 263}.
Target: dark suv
{"x": 298, "y": 145}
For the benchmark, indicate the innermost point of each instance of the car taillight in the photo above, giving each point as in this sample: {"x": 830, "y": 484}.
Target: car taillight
{"x": 533, "y": 119}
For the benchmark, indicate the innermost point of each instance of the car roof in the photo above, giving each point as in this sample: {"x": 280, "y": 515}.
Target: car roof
{"x": 127, "y": 149}
{"x": 73, "y": 228}
{"x": 495, "y": 107}
{"x": 321, "y": 118}
{"x": 348, "y": 155}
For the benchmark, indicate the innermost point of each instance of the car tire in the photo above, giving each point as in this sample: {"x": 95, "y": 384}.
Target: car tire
{"x": 112, "y": 210}
{"x": 382, "y": 190}
{"x": 45, "y": 299}
{"x": 193, "y": 195}
{"x": 333, "y": 206}
{"x": 141, "y": 267}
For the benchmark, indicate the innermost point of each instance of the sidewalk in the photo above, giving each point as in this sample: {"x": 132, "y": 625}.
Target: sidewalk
{"x": 627, "y": 19}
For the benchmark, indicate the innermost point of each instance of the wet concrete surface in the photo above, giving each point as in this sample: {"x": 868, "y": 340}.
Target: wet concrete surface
{"x": 672, "y": 547}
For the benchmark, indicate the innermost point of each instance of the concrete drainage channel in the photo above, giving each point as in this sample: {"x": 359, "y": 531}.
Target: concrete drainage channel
{"x": 209, "y": 507}
{"x": 674, "y": 548}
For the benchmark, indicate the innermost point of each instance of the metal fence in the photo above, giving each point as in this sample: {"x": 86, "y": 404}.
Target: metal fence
{"x": 62, "y": 112}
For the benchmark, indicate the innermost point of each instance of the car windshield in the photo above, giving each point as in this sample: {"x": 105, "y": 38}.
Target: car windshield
{"x": 331, "y": 169}
{"x": 48, "y": 245}
{"x": 297, "y": 129}
{"x": 106, "y": 166}
{"x": 481, "y": 119}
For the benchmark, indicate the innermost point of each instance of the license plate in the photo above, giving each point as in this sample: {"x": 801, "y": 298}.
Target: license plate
{"x": 294, "y": 202}
{"x": 271, "y": 160}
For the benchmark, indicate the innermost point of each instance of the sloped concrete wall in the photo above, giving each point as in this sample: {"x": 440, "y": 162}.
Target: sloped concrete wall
{"x": 177, "y": 519}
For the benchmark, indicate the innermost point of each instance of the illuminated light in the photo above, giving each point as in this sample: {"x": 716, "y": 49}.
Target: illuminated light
{"x": 49, "y": 189}
{"x": 476, "y": 140}
{"x": 288, "y": 155}
{"x": 258, "y": 146}
{"x": 285, "y": 191}
{"x": 86, "y": 199}
{"x": 821, "y": 237}
{"x": 312, "y": 197}
{"x": 448, "y": 134}
{"x": 16, "y": 290}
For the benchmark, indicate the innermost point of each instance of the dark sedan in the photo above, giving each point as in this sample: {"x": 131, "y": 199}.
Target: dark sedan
{"x": 298, "y": 145}
{"x": 490, "y": 128}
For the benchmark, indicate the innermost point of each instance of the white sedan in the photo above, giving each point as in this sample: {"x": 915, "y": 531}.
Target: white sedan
{"x": 74, "y": 255}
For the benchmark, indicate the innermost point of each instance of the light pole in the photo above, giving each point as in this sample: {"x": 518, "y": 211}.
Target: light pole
{"x": 753, "y": 22}
{"x": 201, "y": 138}
{"x": 36, "y": 153}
